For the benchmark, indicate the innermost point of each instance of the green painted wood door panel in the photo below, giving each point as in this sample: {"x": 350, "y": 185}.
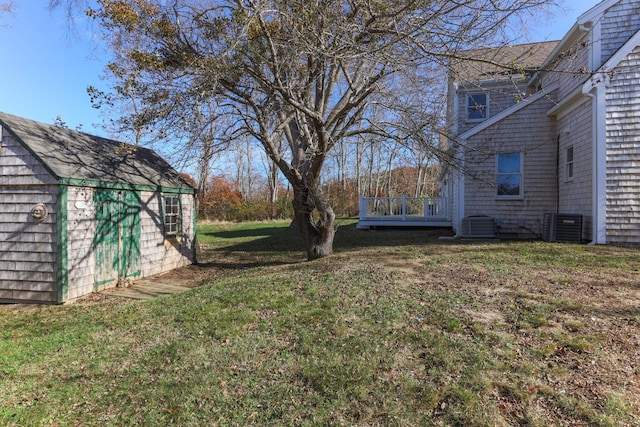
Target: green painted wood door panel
{"x": 117, "y": 237}
{"x": 130, "y": 235}
{"x": 106, "y": 236}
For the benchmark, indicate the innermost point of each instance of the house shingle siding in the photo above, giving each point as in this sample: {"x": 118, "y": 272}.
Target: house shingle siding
{"x": 528, "y": 131}
{"x": 597, "y": 73}
{"x": 175, "y": 251}
{"x": 487, "y": 70}
{"x": 576, "y": 194}
{"x": 157, "y": 254}
{"x": 19, "y": 167}
{"x": 27, "y": 249}
{"x": 573, "y": 69}
{"x": 501, "y": 96}
{"x": 619, "y": 23}
{"x": 623, "y": 152}
{"x": 82, "y": 228}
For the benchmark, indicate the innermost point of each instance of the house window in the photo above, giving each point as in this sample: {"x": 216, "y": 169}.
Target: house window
{"x": 171, "y": 215}
{"x": 477, "y": 107}
{"x": 509, "y": 176}
{"x": 569, "y": 164}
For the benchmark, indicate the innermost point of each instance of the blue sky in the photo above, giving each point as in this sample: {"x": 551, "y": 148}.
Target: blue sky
{"x": 45, "y": 70}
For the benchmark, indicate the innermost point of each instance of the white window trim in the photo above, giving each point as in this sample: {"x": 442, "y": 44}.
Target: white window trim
{"x": 178, "y": 215}
{"x": 569, "y": 166}
{"x": 521, "y": 189}
{"x": 466, "y": 107}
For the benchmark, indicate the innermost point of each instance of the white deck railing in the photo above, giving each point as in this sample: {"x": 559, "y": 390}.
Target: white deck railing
{"x": 403, "y": 208}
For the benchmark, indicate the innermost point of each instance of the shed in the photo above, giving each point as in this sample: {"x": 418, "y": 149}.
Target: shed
{"x": 80, "y": 213}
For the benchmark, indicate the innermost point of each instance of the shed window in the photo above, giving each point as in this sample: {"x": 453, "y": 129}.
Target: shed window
{"x": 477, "y": 107}
{"x": 171, "y": 215}
{"x": 509, "y": 176}
{"x": 569, "y": 164}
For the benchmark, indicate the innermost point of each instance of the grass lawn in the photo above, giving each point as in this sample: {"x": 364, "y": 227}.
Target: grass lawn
{"x": 397, "y": 328}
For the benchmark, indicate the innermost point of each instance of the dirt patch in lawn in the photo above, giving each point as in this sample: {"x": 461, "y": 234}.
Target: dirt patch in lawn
{"x": 578, "y": 331}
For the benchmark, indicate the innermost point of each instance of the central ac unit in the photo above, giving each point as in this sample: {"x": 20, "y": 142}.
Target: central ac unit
{"x": 558, "y": 227}
{"x": 479, "y": 226}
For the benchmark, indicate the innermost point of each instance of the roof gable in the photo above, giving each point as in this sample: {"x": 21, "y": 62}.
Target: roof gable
{"x": 72, "y": 155}
{"x": 606, "y": 72}
{"x": 583, "y": 24}
{"x": 507, "y": 112}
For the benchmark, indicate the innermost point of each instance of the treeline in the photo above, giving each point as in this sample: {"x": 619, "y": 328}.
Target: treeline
{"x": 221, "y": 199}
{"x": 226, "y": 199}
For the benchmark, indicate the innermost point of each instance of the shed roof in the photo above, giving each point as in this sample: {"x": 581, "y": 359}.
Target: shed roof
{"x": 72, "y": 155}
{"x": 500, "y": 62}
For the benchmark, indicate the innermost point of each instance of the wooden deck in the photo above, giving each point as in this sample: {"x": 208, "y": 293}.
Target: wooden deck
{"x": 403, "y": 212}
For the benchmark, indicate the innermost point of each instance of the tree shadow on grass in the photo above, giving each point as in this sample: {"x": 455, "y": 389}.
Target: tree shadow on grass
{"x": 243, "y": 248}
{"x": 288, "y": 240}
{"x": 348, "y": 237}
{"x": 246, "y": 233}
{"x": 223, "y": 254}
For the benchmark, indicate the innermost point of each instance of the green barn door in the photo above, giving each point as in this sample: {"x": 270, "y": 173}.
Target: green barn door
{"x": 117, "y": 238}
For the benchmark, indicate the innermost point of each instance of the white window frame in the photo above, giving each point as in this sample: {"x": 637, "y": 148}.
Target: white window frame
{"x": 172, "y": 215}
{"x": 569, "y": 163}
{"x": 473, "y": 105}
{"x": 519, "y": 174}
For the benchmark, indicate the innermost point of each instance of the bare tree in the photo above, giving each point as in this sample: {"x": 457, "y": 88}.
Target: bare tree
{"x": 245, "y": 175}
{"x": 308, "y": 71}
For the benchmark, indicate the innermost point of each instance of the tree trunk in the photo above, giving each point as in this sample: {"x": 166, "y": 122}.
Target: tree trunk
{"x": 273, "y": 182}
{"x": 317, "y": 235}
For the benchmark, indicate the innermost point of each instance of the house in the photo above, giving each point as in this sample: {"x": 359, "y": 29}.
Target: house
{"x": 550, "y": 146}
{"x": 79, "y": 213}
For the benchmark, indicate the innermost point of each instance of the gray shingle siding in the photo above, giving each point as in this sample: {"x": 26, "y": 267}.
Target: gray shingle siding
{"x": 619, "y": 23}
{"x": 532, "y": 133}
{"x": 623, "y": 152}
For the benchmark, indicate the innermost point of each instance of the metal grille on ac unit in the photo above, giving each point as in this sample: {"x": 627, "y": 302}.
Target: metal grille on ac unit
{"x": 558, "y": 227}
{"x": 479, "y": 226}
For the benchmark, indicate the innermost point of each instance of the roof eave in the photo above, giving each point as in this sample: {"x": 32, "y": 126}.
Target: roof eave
{"x": 574, "y": 34}
{"x": 187, "y": 189}
{"x": 583, "y": 25}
